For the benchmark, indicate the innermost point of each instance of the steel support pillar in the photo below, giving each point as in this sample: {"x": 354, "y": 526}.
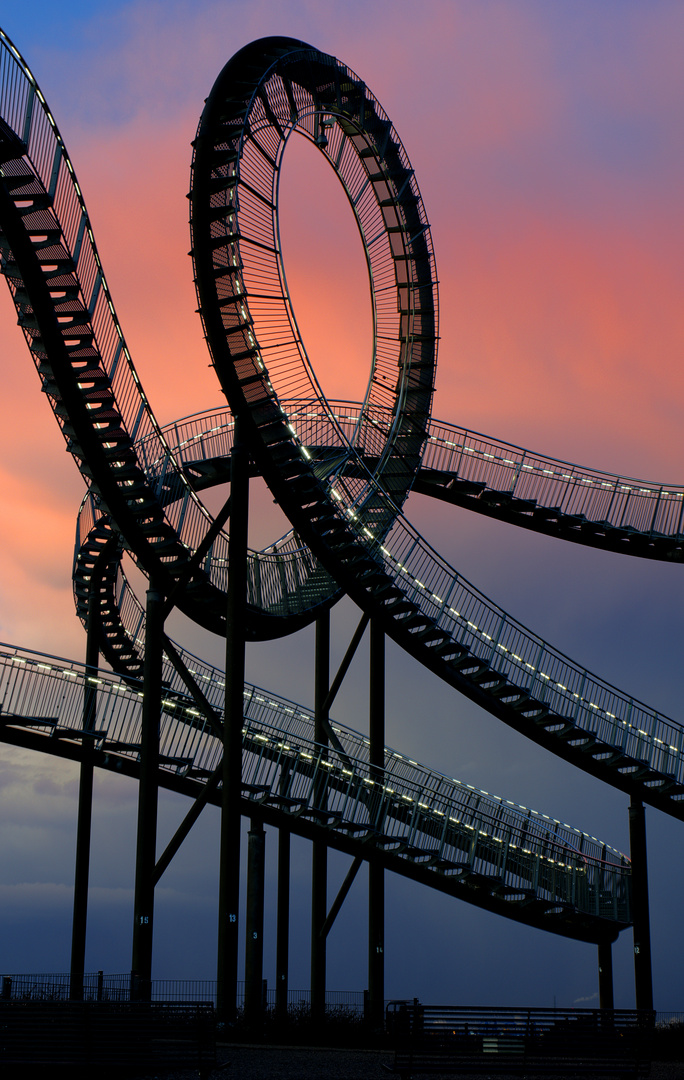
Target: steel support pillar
{"x": 148, "y": 790}
{"x": 319, "y": 861}
{"x": 254, "y": 924}
{"x": 229, "y": 856}
{"x": 643, "y": 979}
{"x": 283, "y": 924}
{"x": 605, "y": 967}
{"x": 376, "y": 872}
{"x": 85, "y": 814}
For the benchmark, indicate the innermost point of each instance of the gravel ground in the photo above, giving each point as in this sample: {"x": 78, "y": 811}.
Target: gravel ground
{"x": 301, "y": 1063}
{"x": 238, "y": 1062}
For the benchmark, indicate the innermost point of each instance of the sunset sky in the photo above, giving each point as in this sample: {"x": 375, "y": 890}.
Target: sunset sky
{"x": 548, "y": 143}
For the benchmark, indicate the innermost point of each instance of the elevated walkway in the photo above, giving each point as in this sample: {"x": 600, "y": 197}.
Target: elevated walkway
{"x": 413, "y": 820}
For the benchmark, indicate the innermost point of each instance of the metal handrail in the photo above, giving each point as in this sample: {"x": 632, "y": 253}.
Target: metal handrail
{"x": 618, "y": 501}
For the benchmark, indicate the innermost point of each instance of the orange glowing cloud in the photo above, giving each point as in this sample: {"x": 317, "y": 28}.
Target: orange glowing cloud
{"x": 568, "y": 338}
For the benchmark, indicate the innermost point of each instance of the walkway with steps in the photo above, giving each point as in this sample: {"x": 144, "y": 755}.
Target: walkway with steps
{"x": 418, "y": 822}
{"x": 349, "y": 533}
{"x": 585, "y": 506}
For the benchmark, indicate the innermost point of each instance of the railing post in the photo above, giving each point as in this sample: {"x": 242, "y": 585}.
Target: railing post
{"x": 229, "y": 856}
{"x": 655, "y": 511}
{"x": 535, "y": 670}
{"x": 516, "y": 473}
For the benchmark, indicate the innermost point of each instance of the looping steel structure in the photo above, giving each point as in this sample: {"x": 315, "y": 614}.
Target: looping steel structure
{"x": 341, "y": 472}
{"x": 268, "y": 91}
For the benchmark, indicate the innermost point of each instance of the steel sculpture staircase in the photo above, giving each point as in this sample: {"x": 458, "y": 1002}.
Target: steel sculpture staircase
{"x": 599, "y": 729}
{"x": 417, "y": 822}
{"x": 341, "y": 478}
{"x": 618, "y": 513}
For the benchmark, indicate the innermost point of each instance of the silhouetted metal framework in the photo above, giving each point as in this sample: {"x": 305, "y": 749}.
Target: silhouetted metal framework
{"x": 341, "y": 472}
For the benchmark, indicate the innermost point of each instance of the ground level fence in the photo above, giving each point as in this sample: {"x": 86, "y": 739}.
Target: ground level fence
{"x": 96, "y": 986}
{"x": 100, "y": 987}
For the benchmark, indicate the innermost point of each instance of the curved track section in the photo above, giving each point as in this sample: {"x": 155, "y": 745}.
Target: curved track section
{"x": 641, "y": 518}
{"x": 457, "y": 467}
{"x": 424, "y": 825}
{"x": 609, "y": 511}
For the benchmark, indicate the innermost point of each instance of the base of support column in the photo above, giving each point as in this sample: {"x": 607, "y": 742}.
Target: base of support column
{"x": 605, "y": 967}
{"x": 643, "y": 978}
{"x": 254, "y": 926}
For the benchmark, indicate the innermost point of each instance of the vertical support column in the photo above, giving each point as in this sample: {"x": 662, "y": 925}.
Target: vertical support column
{"x": 319, "y": 862}
{"x": 85, "y": 813}
{"x": 283, "y": 924}
{"x": 254, "y": 924}
{"x": 643, "y": 980}
{"x": 376, "y": 873}
{"x": 605, "y": 967}
{"x": 148, "y": 789}
{"x": 229, "y": 855}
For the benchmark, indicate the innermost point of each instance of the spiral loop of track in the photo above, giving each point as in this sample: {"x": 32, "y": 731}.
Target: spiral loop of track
{"x": 269, "y": 91}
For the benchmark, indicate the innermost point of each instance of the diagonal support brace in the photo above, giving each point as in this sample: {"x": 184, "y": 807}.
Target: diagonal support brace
{"x": 164, "y": 860}
{"x": 341, "y": 896}
{"x": 196, "y": 560}
{"x": 202, "y": 702}
{"x": 344, "y": 666}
